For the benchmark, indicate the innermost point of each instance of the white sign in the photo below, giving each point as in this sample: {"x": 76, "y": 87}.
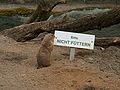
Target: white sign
{"x": 76, "y": 40}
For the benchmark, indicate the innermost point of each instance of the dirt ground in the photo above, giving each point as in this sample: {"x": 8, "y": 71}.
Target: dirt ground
{"x": 97, "y": 69}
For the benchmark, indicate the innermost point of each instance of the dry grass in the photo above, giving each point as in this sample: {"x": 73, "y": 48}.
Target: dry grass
{"x": 16, "y": 11}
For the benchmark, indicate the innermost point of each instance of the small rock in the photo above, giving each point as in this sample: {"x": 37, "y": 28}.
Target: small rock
{"x": 87, "y": 87}
{"x": 101, "y": 48}
{"x": 102, "y": 70}
{"x": 89, "y": 81}
{"x": 1, "y": 85}
{"x": 107, "y": 76}
{"x": 76, "y": 65}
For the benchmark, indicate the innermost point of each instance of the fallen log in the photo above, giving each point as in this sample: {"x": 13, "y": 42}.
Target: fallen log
{"x": 99, "y": 41}
{"x": 97, "y": 21}
{"x": 107, "y": 41}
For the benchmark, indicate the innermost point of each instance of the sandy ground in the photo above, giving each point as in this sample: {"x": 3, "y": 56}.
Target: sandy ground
{"x": 91, "y": 68}
{"x": 97, "y": 69}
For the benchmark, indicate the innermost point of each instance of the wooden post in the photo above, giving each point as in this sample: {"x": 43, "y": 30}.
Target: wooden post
{"x": 72, "y": 54}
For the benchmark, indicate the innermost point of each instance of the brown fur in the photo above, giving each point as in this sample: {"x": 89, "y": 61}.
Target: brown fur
{"x": 44, "y": 54}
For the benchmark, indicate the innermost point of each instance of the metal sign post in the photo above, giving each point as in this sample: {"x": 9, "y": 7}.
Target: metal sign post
{"x": 72, "y": 54}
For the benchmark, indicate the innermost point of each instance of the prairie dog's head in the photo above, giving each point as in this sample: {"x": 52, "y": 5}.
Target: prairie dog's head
{"x": 63, "y": 1}
{"x": 48, "y": 39}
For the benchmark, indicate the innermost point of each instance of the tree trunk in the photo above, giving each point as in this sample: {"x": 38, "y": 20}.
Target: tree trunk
{"x": 33, "y": 17}
{"x": 43, "y": 11}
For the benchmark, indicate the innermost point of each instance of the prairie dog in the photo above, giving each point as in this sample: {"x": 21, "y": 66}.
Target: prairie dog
{"x": 44, "y": 54}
